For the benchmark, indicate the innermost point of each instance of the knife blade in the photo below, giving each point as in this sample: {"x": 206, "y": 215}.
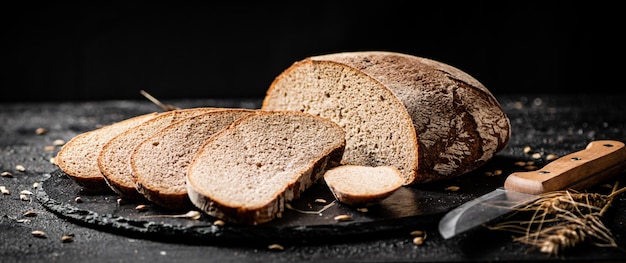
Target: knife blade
{"x": 598, "y": 162}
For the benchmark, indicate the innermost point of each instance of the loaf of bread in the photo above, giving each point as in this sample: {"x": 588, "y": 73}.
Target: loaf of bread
{"x": 361, "y": 186}
{"x": 428, "y": 119}
{"x": 159, "y": 163}
{"x": 78, "y": 158}
{"x": 114, "y": 159}
{"x": 247, "y": 172}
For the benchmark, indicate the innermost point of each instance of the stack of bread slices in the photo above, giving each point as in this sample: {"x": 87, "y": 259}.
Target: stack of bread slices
{"x": 365, "y": 123}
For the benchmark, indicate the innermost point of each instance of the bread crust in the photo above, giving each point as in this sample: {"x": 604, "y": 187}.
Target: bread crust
{"x": 79, "y": 157}
{"x": 459, "y": 124}
{"x": 267, "y": 209}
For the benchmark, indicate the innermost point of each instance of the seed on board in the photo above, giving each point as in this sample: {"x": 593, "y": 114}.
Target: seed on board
{"x": 527, "y": 149}
{"x": 30, "y": 213}
{"x": 5, "y": 190}
{"x": 362, "y": 209}
{"x": 497, "y": 172}
{"x": 58, "y": 142}
{"x": 26, "y": 192}
{"x": 36, "y": 184}
{"x": 52, "y": 160}
{"x": 276, "y": 247}
{"x": 320, "y": 201}
{"x": 453, "y": 188}
{"x": 38, "y": 233}
{"x": 24, "y": 197}
{"x": 536, "y": 155}
{"x": 520, "y": 163}
{"x": 418, "y": 241}
{"x": 219, "y": 222}
{"x": 78, "y": 199}
{"x": 343, "y": 218}
{"x": 67, "y": 238}
{"x": 141, "y": 208}
{"x": 40, "y": 131}
{"x": 6, "y": 174}
{"x": 20, "y": 168}
{"x": 48, "y": 148}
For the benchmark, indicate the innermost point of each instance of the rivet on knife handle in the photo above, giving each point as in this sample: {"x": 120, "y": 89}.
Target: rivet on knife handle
{"x": 597, "y": 162}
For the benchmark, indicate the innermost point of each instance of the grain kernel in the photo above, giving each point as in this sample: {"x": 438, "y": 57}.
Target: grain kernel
{"x": 141, "y": 208}
{"x": 276, "y": 247}
{"x": 219, "y": 222}
{"x": 40, "y": 131}
{"x": 362, "y": 209}
{"x": 418, "y": 241}
{"x": 452, "y": 188}
{"x": 520, "y": 163}
{"x": 58, "y": 142}
{"x": 78, "y": 199}
{"x": 24, "y": 197}
{"x": 536, "y": 155}
{"x": 527, "y": 149}
{"x": 343, "y": 218}
{"x": 20, "y": 168}
{"x": 67, "y": 238}
{"x": 5, "y": 190}
{"x": 30, "y": 213}
{"x": 497, "y": 172}
{"x": 320, "y": 201}
{"x": 48, "y": 148}
{"x": 6, "y": 174}
{"x": 38, "y": 233}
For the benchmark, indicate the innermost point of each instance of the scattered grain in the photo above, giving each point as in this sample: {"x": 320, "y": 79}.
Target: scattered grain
{"x": 362, "y": 209}
{"x": 536, "y": 156}
{"x": 341, "y": 218}
{"x": 48, "y": 148}
{"x": 6, "y": 174}
{"x": 497, "y": 172}
{"x": 5, "y": 190}
{"x": 78, "y": 199}
{"x": 20, "y": 168}
{"x": 520, "y": 163}
{"x": 418, "y": 241}
{"x": 36, "y": 184}
{"x": 527, "y": 149}
{"x": 40, "y": 131}
{"x": 24, "y": 197}
{"x": 38, "y": 233}
{"x": 320, "y": 201}
{"x": 276, "y": 247}
{"x": 141, "y": 208}
{"x": 58, "y": 142}
{"x": 67, "y": 238}
{"x": 30, "y": 213}
{"x": 219, "y": 222}
{"x": 453, "y": 188}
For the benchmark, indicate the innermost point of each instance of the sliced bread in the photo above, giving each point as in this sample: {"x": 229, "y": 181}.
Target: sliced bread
{"x": 114, "y": 159}
{"x": 159, "y": 163}
{"x": 247, "y": 172}
{"x": 430, "y": 120}
{"x": 78, "y": 158}
{"x": 357, "y": 185}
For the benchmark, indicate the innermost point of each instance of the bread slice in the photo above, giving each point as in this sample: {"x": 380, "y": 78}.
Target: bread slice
{"x": 160, "y": 162}
{"x": 78, "y": 158}
{"x": 358, "y": 185}
{"x": 114, "y": 159}
{"x": 428, "y": 119}
{"x": 246, "y": 173}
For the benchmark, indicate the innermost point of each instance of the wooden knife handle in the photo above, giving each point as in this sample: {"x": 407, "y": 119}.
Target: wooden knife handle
{"x": 600, "y": 161}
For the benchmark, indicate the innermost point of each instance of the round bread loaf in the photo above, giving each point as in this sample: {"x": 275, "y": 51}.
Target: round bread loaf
{"x": 430, "y": 120}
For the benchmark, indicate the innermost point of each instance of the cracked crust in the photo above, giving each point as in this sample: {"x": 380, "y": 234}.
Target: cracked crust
{"x": 458, "y": 124}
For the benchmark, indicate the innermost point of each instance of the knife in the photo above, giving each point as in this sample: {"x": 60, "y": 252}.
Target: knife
{"x": 598, "y": 162}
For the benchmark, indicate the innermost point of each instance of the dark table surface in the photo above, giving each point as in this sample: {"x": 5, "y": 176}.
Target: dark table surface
{"x": 548, "y": 123}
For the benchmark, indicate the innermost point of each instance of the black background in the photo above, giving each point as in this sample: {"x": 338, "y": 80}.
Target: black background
{"x": 58, "y": 51}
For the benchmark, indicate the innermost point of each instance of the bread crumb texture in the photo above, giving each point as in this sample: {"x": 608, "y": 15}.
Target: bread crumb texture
{"x": 398, "y": 110}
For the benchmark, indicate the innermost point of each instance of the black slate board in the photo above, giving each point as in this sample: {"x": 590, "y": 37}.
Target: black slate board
{"x": 407, "y": 209}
